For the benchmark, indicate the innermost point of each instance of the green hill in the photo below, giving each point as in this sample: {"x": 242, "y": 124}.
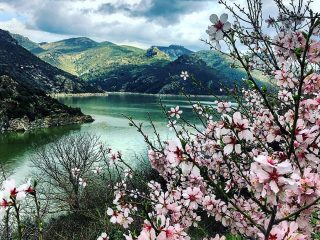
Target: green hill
{"x": 25, "y": 81}
{"x": 155, "y": 70}
{"x": 174, "y": 51}
{"x": 88, "y": 59}
{"x": 25, "y": 42}
{"x": 20, "y": 64}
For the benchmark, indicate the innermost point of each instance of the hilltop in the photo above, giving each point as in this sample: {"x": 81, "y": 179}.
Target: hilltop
{"x": 22, "y": 65}
{"x": 123, "y": 68}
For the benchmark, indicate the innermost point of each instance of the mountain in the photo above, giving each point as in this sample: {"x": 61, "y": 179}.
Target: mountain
{"x": 18, "y": 63}
{"x": 165, "y": 78}
{"x": 155, "y": 70}
{"x": 174, "y": 51}
{"x": 25, "y": 42}
{"x": 72, "y": 45}
{"x": 88, "y": 59}
{"x": 25, "y": 81}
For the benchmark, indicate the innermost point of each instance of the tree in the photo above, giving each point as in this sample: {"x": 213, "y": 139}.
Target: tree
{"x": 256, "y": 169}
{"x": 66, "y": 165}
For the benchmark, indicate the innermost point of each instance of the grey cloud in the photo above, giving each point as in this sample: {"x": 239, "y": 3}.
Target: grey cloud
{"x": 55, "y": 16}
{"x": 164, "y": 12}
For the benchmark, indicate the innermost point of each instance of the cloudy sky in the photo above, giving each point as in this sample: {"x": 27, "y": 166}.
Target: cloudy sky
{"x": 136, "y": 22}
{"x": 140, "y": 23}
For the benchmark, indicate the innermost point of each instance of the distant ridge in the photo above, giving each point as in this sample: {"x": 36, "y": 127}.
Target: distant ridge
{"x": 21, "y": 65}
{"x": 174, "y": 51}
{"x": 130, "y": 69}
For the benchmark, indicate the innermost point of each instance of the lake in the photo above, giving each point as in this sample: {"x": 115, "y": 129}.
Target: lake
{"x": 110, "y": 124}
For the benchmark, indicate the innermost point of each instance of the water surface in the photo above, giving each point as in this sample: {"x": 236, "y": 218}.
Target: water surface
{"x": 110, "y": 124}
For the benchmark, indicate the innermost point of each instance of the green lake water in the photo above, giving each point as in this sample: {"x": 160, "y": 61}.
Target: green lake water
{"x": 16, "y": 149}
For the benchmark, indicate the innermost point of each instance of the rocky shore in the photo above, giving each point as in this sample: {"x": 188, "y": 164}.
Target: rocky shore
{"x": 23, "y": 108}
{"x": 54, "y": 95}
{"x": 25, "y": 124}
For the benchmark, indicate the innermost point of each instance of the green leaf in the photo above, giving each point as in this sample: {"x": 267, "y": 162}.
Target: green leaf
{"x": 298, "y": 52}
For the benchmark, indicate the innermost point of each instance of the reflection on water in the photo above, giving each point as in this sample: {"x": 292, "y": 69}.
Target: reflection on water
{"x": 16, "y": 148}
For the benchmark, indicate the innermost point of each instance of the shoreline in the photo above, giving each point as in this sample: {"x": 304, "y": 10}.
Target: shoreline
{"x": 121, "y": 93}
{"x": 77, "y": 94}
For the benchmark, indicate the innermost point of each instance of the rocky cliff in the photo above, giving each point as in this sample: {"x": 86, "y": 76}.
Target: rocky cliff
{"x": 23, "y": 108}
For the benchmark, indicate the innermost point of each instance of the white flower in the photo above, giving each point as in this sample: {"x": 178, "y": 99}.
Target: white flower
{"x": 184, "y": 75}
{"x": 75, "y": 172}
{"x": 218, "y": 27}
{"x": 171, "y": 124}
{"x": 175, "y": 112}
{"x": 82, "y": 182}
{"x": 97, "y": 170}
{"x": 103, "y": 236}
{"x": 128, "y": 173}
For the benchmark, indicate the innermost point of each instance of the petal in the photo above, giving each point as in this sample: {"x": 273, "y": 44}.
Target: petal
{"x": 2, "y": 213}
{"x": 21, "y": 196}
{"x": 219, "y": 35}
{"x": 226, "y": 26}
{"x": 186, "y": 167}
{"x": 274, "y": 187}
{"x": 238, "y": 148}
{"x": 211, "y": 30}
{"x": 236, "y": 117}
{"x": 224, "y": 18}
{"x": 214, "y": 18}
{"x": 228, "y": 149}
{"x": 218, "y": 46}
{"x": 110, "y": 212}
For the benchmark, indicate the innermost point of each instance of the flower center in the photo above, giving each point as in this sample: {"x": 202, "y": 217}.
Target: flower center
{"x": 274, "y": 175}
{"x": 219, "y": 25}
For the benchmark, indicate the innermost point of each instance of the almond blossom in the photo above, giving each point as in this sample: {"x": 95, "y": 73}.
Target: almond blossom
{"x": 223, "y": 107}
{"x": 184, "y": 75}
{"x": 103, "y": 236}
{"x": 219, "y": 26}
{"x": 175, "y": 112}
{"x": 254, "y": 169}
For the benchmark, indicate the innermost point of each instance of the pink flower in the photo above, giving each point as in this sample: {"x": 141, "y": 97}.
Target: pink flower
{"x": 270, "y": 172}
{"x": 241, "y": 126}
{"x": 175, "y": 112}
{"x": 223, "y": 107}
{"x": 314, "y": 52}
{"x": 285, "y": 79}
{"x": 231, "y": 144}
{"x": 192, "y": 197}
{"x": 147, "y": 233}
{"x": 286, "y": 231}
{"x": 11, "y": 191}
{"x": 116, "y": 217}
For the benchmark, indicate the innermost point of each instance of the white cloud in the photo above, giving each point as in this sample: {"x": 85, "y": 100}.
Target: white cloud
{"x": 50, "y": 20}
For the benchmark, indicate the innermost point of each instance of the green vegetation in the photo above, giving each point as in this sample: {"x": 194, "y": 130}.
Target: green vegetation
{"x": 25, "y": 81}
{"x": 18, "y": 63}
{"x": 129, "y": 69}
{"x": 24, "y": 108}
